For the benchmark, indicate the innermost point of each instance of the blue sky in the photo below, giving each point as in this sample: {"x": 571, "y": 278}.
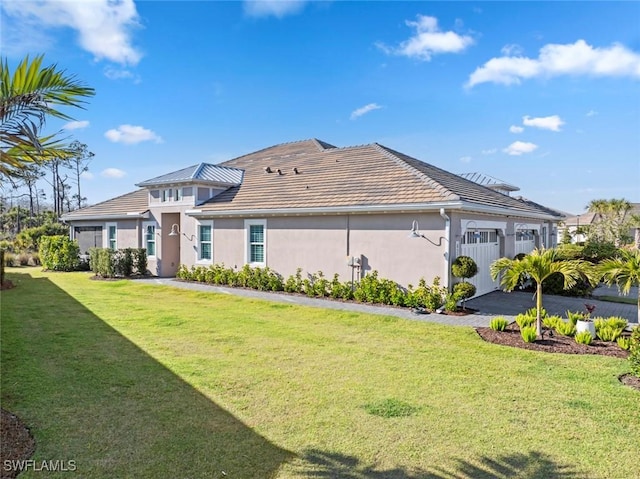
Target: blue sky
{"x": 543, "y": 95}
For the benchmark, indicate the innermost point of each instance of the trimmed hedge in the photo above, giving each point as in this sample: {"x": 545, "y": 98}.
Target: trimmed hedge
{"x": 109, "y": 263}
{"x": 59, "y": 253}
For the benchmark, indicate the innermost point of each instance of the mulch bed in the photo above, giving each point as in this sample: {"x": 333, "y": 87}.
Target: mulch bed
{"x": 16, "y": 442}
{"x": 554, "y": 344}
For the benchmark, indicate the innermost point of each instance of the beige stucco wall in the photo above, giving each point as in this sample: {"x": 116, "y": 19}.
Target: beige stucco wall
{"x": 322, "y": 243}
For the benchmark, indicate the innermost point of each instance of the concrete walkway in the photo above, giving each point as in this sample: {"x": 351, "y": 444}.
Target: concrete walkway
{"x": 490, "y": 305}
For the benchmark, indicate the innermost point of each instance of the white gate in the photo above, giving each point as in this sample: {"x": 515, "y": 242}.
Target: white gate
{"x": 484, "y": 247}
{"x": 525, "y": 242}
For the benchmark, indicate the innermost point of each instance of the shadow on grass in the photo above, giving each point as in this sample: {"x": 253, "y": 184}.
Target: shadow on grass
{"x": 534, "y": 465}
{"x": 93, "y": 397}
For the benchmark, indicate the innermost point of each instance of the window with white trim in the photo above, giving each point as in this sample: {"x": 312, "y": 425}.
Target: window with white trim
{"x": 256, "y": 242}
{"x": 149, "y": 229}
{"x": 177, "y": 194}
{"x": 205, "y": 241}
{"x": 112, "y": 236}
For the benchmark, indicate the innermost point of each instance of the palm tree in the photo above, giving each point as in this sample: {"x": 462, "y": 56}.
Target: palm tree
{"x": 27, "y": 98}
{"x": 539, "y": 265}
{"x": 623, "y": 271}
{"x": 611, "y": 225}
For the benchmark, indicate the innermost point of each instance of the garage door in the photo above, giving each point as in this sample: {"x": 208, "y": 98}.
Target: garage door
{"x": 484, "y": 247}
{"x": 525, "y": 241}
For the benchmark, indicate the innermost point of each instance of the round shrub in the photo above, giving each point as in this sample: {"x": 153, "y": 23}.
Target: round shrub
{"x": 464, "y": 267}
{"x": 464, "y": 290}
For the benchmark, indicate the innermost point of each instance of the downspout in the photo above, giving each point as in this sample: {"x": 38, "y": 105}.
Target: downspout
{"x": 447, "y": 236}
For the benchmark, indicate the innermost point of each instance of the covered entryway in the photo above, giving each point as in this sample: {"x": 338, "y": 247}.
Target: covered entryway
{"x": 484, "y": 247}
{"x": 170, "y": 248}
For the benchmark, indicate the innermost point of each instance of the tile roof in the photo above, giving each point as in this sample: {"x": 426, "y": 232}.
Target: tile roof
{"x": 134, "y": 202}
{"x": 347, "y": 177}
{"x": 203, "y": 172}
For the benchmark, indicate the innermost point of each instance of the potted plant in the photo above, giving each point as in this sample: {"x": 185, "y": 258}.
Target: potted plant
{"x": 583, "y": 320}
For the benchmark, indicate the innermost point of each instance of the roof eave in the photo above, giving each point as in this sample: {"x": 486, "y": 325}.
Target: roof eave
{"x": 115, "y": 216}
{"x": 324, "y": 210}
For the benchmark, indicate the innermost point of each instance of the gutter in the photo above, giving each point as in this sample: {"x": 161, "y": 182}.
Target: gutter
{"x": 370, "y": 209}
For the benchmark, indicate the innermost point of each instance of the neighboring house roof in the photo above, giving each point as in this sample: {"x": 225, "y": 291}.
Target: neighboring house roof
{"x": 308, "y": 175}
{"x": 134, "y": 204}
{"x": 200, "y": 173}
{"x": 489, "y": 181}
{"x": 588, "y": 218}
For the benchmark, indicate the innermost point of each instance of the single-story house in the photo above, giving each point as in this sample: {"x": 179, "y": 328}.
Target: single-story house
{"x": 311, "y": 205}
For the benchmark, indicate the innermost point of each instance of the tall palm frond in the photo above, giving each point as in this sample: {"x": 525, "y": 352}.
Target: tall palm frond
{"x": 27, "y": 98}
{"x": 623, "y": 271}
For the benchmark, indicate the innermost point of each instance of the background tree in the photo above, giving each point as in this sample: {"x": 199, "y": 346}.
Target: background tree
{"x": 27, "y": 98}
{"x": 611, "y": 223}
{"x": 539, "y": 265}
{"x": 623, "y": 271}
{"x": 79, "y": 163}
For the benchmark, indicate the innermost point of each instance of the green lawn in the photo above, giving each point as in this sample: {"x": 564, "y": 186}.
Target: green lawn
{"x": 144, "y": 381}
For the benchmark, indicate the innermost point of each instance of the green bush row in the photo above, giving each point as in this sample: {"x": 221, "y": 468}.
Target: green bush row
{"x": 109, "y": 263}
{"x": 370, "y": 289}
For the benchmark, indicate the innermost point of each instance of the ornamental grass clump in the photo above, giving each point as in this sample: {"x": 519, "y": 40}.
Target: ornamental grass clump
{"x": 566, "y": 328}
{"x": 524, "y": 320}
{"x": 498, "y": 323}
{"x": 583, "y": 337}
{"x": 528, "y": 334}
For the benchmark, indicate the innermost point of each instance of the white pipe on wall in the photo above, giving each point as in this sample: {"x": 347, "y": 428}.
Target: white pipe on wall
{"x": 447, "y": 235}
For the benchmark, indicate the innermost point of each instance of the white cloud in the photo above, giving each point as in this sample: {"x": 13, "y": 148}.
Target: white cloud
{"x": 104, "y": 27}
{"x": 87, "y": 175}
{"x": 466, "y": 159}
{"x": 429, "y": 40}
{"x": 276, "y": 8}
{"x": 577, "y": 58}
{"x": 114, "y": 173}
{"x": 518, "y": 148}
{"x": 552, "y": 123}
{"x": 516, "y": 129}
{"x": 76, "y": 125}
{"x": 131, "y": 134}
{"x": 121, "y": 74}
{"x": 364, "y": 110}
{"x": 512, "y": 49}
{"x": 592, "y": 113}
{"x": 490, "y": 151}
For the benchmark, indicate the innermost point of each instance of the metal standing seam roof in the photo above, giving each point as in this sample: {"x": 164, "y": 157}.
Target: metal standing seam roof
{"x": 202, "y": 172}
{"x": 489, "y": 181}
